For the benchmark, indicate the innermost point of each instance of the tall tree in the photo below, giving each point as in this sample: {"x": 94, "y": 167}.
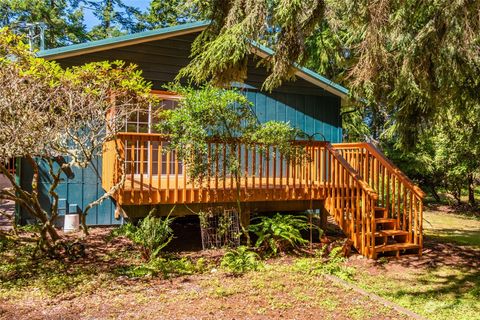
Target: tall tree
{"x": 164, "y": 13}
{"x": 57, "y": 117}
{"x": 64, "y": 23}
{"x": 115, "y": 17}
{"x": 413, "y": 58}
{"x": 410, "y": 58}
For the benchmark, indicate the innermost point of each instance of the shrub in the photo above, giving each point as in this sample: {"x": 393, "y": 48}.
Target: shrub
{"x": 333, "y": 264}
{"x": 240, "y": 260}
{"x": 280, "y": 232}
{"x": 152, "y": 234}
{"x": 166, "y": 267}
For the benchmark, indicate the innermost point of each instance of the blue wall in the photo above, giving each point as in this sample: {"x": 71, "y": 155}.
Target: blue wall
{"x": 84, "y": 187}
{"x": 315, "y": 115}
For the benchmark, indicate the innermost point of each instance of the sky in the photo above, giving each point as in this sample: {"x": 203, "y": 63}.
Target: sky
{"x": 90, "y": 19}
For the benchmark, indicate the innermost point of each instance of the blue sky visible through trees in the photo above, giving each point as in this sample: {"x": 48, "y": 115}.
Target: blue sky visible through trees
{"x": 91, "y": 20}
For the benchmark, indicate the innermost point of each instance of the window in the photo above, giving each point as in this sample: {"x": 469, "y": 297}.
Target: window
{"x": 143, "y": 121}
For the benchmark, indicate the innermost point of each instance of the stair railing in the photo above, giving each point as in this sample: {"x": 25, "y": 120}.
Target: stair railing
{"x": 396, "y": 192}
{"x": 351, "y": 201}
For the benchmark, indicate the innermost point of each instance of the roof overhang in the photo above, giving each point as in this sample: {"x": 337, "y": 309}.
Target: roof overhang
{"x": 164, "y": 33}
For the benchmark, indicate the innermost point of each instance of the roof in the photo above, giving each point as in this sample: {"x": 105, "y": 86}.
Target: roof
{"x": 164, "y": 33}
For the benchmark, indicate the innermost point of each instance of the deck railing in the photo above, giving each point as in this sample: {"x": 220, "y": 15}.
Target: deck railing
{"x": 154, "y": 174}
{"x": 396, "y": 192}
{"x": 353, "y": 180}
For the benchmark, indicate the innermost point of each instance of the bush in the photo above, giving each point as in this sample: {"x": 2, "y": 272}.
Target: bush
{"x": 333, "y": 264}
{"x": 167, "y": 268}
{"x": 280, "y": 232}
{"x": 152, "y": 234}
{"x": 240, "y": 260}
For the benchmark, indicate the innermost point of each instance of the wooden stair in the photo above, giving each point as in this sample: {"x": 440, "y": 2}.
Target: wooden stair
{"x": 373, "y": 202}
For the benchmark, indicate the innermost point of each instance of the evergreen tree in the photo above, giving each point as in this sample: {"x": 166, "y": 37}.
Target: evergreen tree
{"x": 64, "y": 23}
{"x": 164, "y": 13}
{"x": 116, "y": 18}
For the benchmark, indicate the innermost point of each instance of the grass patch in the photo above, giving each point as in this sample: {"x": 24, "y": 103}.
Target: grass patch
{"x": 455, "y": 228}
{"x": 448, "y": 287}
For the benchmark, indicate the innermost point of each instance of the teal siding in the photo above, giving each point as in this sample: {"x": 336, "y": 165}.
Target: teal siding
{"x": 318, "y": 116}
{"x": 81, "y": 189}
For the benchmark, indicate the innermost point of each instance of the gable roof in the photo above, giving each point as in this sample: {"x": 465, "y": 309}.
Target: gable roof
{"x": 164, "y": 33}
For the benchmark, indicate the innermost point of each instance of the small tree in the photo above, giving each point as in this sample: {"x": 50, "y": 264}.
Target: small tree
{"x": 59, "y": 117}
{"x": 223, "y": 115}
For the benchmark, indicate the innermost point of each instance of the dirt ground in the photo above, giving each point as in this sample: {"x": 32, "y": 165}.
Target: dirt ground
{"x": 279, "y": 290}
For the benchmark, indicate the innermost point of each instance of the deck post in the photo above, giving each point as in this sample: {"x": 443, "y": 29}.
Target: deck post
{"x": 323, "y": 217}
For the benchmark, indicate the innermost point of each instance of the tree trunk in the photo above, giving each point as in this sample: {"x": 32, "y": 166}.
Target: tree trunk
{"x": 471, "y": 190}
{"x": 435, "y": 193}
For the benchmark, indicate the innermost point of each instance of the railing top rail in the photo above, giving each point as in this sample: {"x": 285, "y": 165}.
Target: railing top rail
{"x": 352, "y": 171}
{"x": 163, "y": 137}
{"x": 385, "y": 162}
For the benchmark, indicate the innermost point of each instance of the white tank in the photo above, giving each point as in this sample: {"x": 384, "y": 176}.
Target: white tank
{"x": 72, "y": 222}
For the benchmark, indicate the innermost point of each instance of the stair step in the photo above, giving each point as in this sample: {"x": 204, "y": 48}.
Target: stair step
{"x": 385, "y": 220}
{"x": 380, "y": 212}
{"x": 396, "y": 247}
{"x": 389, "y": 233}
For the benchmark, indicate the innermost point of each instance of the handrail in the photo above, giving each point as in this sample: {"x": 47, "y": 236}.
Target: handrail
{"x": 399, "y": 197}
{"x": 385, "y": 162}
{"x": 165, "y": 137}
{"x": 350, "y": 201}
{"x": 352, "y": 171}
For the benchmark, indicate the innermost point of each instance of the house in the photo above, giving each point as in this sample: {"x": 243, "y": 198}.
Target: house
{"x": 377, "y": 206}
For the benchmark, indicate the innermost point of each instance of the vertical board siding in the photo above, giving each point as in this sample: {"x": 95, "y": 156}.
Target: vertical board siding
{"x": 84, "y": 187}
{"x": 317, "y": 116}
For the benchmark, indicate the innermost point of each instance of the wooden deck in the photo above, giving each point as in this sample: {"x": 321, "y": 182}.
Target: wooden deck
{"x": 373, "y": 202}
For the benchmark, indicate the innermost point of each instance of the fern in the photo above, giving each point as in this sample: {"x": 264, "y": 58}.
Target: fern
{"x": 240, "y": 260}
{"x": 280, "y": 232}
{"x": 152, "y": 234}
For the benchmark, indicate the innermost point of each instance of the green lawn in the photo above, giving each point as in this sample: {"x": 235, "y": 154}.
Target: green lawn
{"x": 453, "y": 228}
{"x": 445, "y": 282}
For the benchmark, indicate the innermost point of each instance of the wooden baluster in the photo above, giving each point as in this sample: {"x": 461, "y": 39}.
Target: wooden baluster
{"x": 267, "y": 156}
{"x": 175, "y": 159}
{"x": 142, "y": 169}
{"x": 217, "y": 155}
{"x": 281, "y": 172}
{"x": 150, "y": 166}
{"x": 159, "y": 165}
{"x": 393, "y": 213}
{"x": 358, "y": 216}
{"x": 274, "y": 152}
{"x": 246, "y": 169}
{"x": 224, "y": 165}
{"x": 261, "y": 169}
{"x": 209, "y": 172}
{"x": 254, "y": 162}
{"x": 232, "y": 154}
{"x": 420, "y": 220}
{"x": 294, "y": 173}
{"x": 410, "y": 213}
{"x": 184, "y": 176}
{"x": 383, "y": 188}
{"x": 399, "y": 197}
{"x": 404, "y": 195}
{"x": 414, "y": 198}
{"x": 167, "y": 193}
{"x": 133, "y": 169}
